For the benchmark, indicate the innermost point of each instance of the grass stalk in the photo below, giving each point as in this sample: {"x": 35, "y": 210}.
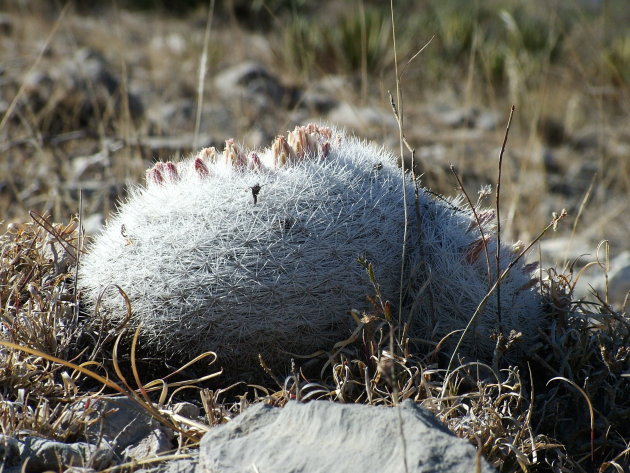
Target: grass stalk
{"x": 203, "y": 67}
{"x": 498, "y": 209}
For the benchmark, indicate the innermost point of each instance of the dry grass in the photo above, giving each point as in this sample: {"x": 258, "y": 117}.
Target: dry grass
{"x": 534, "y": 417}
{"x": 564, "y": 410}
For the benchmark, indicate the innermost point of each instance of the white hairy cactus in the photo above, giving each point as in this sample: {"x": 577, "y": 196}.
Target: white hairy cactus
{"x": 247, "y": 253}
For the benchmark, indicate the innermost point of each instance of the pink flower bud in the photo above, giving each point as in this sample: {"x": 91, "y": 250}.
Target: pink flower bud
{"x": 298, "y": 141}
{"x": 530, "y": 267}
{"x": 208, "y": 155}
{"x": 325, "y": 149}
{"x": 281, "y": 151}
{"x": 233, "y": 154}
{"x": 201, "y": 167}
{"x": 172, "y": 173}
{"x": 528, "y": 285}
{"x": 154, "y": 175}
{"x": 253, "y": 161}
{"x": 483, "y": 217}
{"x": 475, "y": 248}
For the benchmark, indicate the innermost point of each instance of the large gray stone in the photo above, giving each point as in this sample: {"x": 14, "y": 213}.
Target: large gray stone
{"x": 43, "y": 454}
{"x": 324, "y": 436}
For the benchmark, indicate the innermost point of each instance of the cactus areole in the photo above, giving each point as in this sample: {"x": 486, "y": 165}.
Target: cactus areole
{"x": 246, "y": 253}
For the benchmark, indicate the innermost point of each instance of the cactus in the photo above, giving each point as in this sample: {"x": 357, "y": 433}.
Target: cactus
{"x": 247, "y": 253}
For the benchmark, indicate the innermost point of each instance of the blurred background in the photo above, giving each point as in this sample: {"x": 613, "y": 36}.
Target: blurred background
{"x": 91, "y": 93}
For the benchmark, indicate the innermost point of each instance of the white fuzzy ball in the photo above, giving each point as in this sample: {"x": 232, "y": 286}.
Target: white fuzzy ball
{"x": 247, "y": 254}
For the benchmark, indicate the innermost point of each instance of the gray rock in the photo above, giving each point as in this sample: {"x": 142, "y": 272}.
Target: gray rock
{"x": 587, "y": 138}
{"x": 174, "y": 466}
{"x": 321, "y": 96}
{"x": 619, "y": 278}
{"x": 317, "y": 102}
{"x": 488, "y": 120}
{"x": 251, "y": 81}
{"x": 77, "y": 92}
{"x": 563, "y": 249}
{"x": 173, "y": 43}
{"x": 6, "y": 25}
{"x": 187, "y": 409}
{"x": 323, "y": 436}
{"x": 129, "y": 431}
{"x": 154, "y": 442}
{"x": 464, "y": 117}
{"x": 176, "y": 115}
{"x": 9, "y": 452}
{"x": 43, "y": 454}
{"x": 358, "y": 118}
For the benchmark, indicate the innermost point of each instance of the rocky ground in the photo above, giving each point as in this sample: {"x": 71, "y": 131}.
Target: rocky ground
{"x": 90, "y": 97}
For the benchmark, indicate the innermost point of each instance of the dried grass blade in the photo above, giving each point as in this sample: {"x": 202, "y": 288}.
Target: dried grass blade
{"x": 590, "y": 409}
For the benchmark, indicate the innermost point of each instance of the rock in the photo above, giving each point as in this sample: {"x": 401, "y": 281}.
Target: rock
{"x": 557, "y": 251}
{"x": 128, "y": 431}
{"x": 581, "y": 174}
{"x": 462, "y": 117}
{"x": 6, "y": 25}
{"x": 170, "y": 116}
{"x": 320, "y": 96}
{"x": 587, "y": 138}
{"x": 488, "y": 120}
{"x": 252, "y": 82}
{"x": 323, "y": 436}
{"x": 90, "y": 66}
{"x": 465, "y": 117}
{"x": 115, "y": 430}
{"x": 551, "y": 132}
{"x": 317, "y": 102}
{"x": 619, "y": 278}
{"x": 43, "y": 454}
{"x": 150, "y": 445}
{"x": 81, "y": 91}
{"x": 187, "y": 409}
{"x": 175, "y": 466}
{"x": 550, "y": 161}
{"x": 174, "y": 43}
{"x": 62, "y": 256}
{"x": 358, "y": 118}
{"x": 9, "y": 451}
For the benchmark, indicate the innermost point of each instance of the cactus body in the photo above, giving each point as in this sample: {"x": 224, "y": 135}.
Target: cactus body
{"x": 256, "y": 253}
